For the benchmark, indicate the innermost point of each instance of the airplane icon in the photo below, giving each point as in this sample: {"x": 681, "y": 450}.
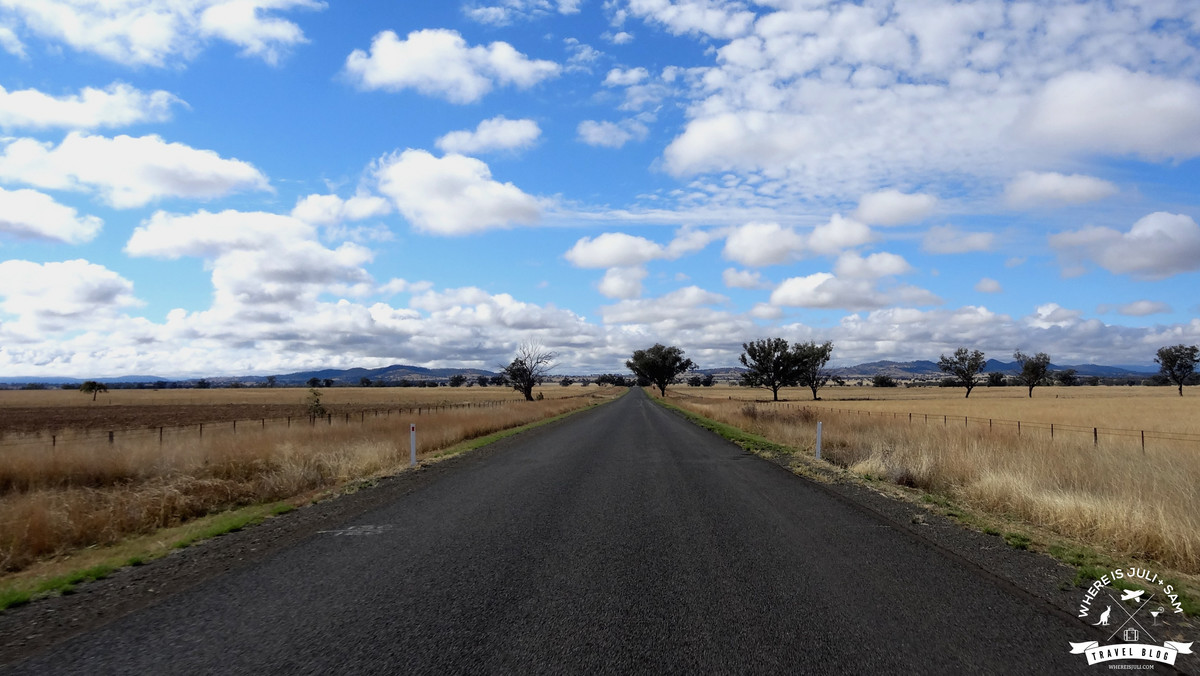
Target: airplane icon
{"x": 1130, "y": 595}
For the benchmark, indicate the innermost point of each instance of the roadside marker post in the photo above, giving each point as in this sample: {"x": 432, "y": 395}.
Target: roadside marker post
{"x": 412, "y": 445}
{"x": 818, "y": 441}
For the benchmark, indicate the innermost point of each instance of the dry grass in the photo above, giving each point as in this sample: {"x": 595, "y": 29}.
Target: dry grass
{"x": 1134, "y": 504}
{"x": 74, "y": 495}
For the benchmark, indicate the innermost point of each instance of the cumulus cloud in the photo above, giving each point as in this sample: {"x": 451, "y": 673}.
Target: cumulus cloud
{"x": 610, "y": 134}
{"x": 762, "y": 244}
{"x": 892, "y": 207}
{"x": 827, "y": 291}
{"x": 332, "y": 209}
{"x": 497, "y": 133}
{"x": 156, "y": 32}
{"x": 614, "y": 249}
{"x": 452, "y": 195}
{"x": 61, "y": 295}
{"x": 680, "y": 306}
{"x": 947, "y": 239}
{"x": 624, "y": 77}
{"x": 622, "y": 282}
{"x": 1156, "y": 247}
{"x": 1139, "y": 308}
{"x": 117, "y": 105}
{"x": 874, "y": 266}
{"x": 126, "y": 171}
{"x": 838, "y": 234}
{"x": 438, "y": 62}
{"x": 1031, "y": 189}
{"x": 1116, "y": 111}
{"x": 29, "y": 213}
{"x": 516, "y": 10}
{"x": 988, "y": 285}
{"x": 713, "y": 18}
{"x": 744, "y": 279}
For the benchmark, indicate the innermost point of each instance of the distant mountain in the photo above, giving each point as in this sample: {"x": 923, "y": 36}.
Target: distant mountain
{"x": 929, "y": 369}
{"x": 45, "y": 380}
{"x": 386, "y": 374}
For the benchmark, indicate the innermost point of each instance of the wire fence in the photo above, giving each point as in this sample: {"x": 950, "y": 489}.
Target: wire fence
{"x": 1055, "y": 430}
{"x": 200, "y": 429}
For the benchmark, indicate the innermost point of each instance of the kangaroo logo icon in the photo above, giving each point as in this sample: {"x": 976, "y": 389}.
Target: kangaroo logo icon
{"x": 1103, "y": 618}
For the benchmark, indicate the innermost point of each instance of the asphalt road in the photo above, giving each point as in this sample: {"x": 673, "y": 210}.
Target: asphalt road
{"x": 621, "y": 540}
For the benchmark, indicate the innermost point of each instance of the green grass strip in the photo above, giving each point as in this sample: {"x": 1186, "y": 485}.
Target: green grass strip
{"x": 748, "y": 441}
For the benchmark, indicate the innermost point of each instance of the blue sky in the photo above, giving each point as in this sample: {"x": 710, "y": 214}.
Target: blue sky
{"x": 256, "y": 186}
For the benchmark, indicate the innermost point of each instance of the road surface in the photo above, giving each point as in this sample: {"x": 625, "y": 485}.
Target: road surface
{"x": 623, "y": 539}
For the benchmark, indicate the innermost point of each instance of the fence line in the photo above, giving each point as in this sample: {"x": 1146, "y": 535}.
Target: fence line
{"x": 1019, "y": 425}
{"x": 360, "y": 416}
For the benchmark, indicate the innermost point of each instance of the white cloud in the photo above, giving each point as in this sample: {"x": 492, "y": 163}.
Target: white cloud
{"x": 621, "y": 38}
{"x": 624, "y": 77}
{"x": 452, "y": 195}
{"x": 947, "y": 239}
{"x": 1156, "y": 247}
{"x": 744, "y": 279}
{"x": 838, "y": 234}
{"x": 331, "y": 209}
{"x": 211, "y": 235}
{"x": 862, "y": 292}
{"x": 1139, "y": 308}
{"x": 61, "y": 295}
{"x": 613, "y": 250}
{"x": 117, "y": 105}
{"x": 680, "y": 305}
{"x": 874, "y": 266}
{"x": 622, "y": 282}
{"x": 29, "y": 213}
{"x": 438, "y": 62}
{"x": 892, "y": 207}
{"x": 10, "y": 43}
{"x": 127, "y": 171}
{"x": 516, "y": 10}
{"x": 1053, "y": 315}
{"x": 497, "y": 133}
{"x": 1115, "y": 111}
{"x": 762, "y": 244}
{"x": 157, "y": 32}
{"x": 1031, "y": 189}
{"x": 714, "y": 18}
{"x": 610, "y": 134}
{"x": 988, "y": 285}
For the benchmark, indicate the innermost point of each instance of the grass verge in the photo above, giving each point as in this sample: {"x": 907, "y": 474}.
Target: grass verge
{"x": 1089, "y": 564}
{"x": 62, "y": 575}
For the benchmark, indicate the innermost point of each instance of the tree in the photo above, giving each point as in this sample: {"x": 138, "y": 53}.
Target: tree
{"x": 482, "y": 381}
{"x": 882, "y": 380}
{"x": 203, "y": 384}
{"x": 708, "y": 380}
{"x": 271, "y": 381}
{"x": 1177, "y": 363}
{"x": 659, "y": 365}
{"x": 93, "y": 388}
{"x": 1067, "y": 378}
{"x": 964, "y": 366}
{"x": 364, "y": 382}
{"x": 528, "y": 368}
{"x": 812, "y": 359}
{"x": 566, "y": 382}
{"x": 328, "y": 382}
{"x": 770, "y": 364}
{"x": 1033, "y": 369}
{"x": 314, "y": 382}
{"x": 457, "y": 380}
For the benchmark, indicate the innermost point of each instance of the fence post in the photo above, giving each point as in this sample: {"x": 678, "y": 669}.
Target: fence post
{"x": 54, "y": 440}
{"x": 160, "y": 436}
{"x": 1143, "y": 442}
{"x": 818, "y": 441}
{"x": 235, "y": 426}
{"x": 110, "y": 436}
{"x": 1051, "y": 430}
{"x": 412, "y": 445}
{"x": 1095, "y": 436}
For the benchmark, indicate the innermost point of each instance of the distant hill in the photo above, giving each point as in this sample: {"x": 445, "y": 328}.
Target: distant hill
{"x": 907, "y": 370}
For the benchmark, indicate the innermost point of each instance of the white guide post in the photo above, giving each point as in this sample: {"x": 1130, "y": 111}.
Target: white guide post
{"x": 412, "y": 445}
{"x": 818, "y": 441}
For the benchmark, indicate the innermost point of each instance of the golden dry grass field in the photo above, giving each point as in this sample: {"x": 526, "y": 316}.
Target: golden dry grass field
{"x": 1112, "y": 494}
{"x": 83, "y": 491}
